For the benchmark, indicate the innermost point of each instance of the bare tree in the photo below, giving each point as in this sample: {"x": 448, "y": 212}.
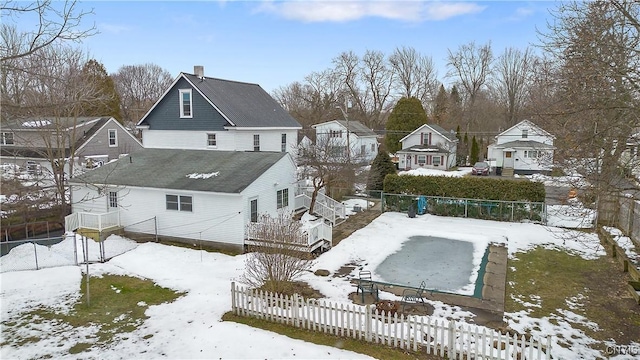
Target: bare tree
{"x": 415, "y": 75}
{"x": 55, "y": 22}
{"x": 379, "y": 78}
{"x": 595, "y": 45}
{"x": 55, "y": 98}
{"x": 328, "y": 163}
{"x": 513, "y": 76}
{"x": 470, "y": 65}
{"x": 139, "y": 87}
{"x": 276, "y": 260}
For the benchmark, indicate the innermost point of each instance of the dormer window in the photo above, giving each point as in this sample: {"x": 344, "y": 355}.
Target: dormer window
{"x": 113, "y": 137}
{"x": 525, "y": 133}
{"x": 185, "y": 103}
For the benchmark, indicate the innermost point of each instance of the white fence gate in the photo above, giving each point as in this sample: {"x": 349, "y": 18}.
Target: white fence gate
{"x": 455, "y": 340}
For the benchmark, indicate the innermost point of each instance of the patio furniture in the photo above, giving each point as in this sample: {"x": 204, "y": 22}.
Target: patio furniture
{"x": 414, "y": 296}
{"x": 366, "y": 285}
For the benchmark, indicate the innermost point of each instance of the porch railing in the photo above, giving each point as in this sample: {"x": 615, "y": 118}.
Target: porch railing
{"x": 91, "y": 221}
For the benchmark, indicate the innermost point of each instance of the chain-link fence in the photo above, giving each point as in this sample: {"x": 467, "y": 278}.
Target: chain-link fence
{"x": 513, "y": 211}
{"x": 70, "y": 249}
{"x": 34, "y": 254}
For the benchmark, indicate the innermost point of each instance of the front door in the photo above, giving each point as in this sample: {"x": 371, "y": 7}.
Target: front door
{"x": 408, "y": 162}
{"x": 508, "y": 160}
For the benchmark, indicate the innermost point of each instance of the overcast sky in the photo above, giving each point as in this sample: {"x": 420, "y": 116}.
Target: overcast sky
{"x": 274, "y": 43}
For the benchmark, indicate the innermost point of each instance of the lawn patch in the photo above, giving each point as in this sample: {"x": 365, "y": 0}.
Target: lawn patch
{"x": 117, "y": 306}
{"x": 553, "y": 283}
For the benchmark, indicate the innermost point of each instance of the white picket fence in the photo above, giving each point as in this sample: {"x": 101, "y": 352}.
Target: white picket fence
{"x": 415, "y": 333}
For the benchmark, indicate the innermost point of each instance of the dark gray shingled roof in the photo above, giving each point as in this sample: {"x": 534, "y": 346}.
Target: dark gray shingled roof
{"x": 357, "y": 128}
{"x": 244, "y": 104}
{"x": 170, "y": 169}
{"x": 424, "y": 149}
{"x": 448, "y": 134}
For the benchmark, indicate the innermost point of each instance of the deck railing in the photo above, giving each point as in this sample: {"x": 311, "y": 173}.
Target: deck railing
{"x": 91, "y": 221}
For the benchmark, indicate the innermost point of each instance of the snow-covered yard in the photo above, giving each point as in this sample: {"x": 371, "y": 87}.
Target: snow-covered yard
{"x": 190, "y": 327}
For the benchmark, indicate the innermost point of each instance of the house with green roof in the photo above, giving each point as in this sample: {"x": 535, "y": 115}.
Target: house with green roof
{"x": 429, "y": 147}
{"x": 186, "y": 195}
{"x": 200, "y": 112}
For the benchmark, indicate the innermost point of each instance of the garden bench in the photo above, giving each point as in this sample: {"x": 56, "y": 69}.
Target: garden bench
{"x": 366, "y": 285}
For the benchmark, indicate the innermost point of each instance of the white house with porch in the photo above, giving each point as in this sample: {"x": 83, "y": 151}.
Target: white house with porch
{"x": 348, "y": 139}
{"x": 430, "y": 147}
{"x": 189, "y": 196}
{"x": 524, "y": 148}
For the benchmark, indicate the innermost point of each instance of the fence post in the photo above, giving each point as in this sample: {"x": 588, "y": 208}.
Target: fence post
{"x": 294, "y": 309}
{"x": 367, "y": 323}
{"x": 155, "y": 224}
{"x": 35, "y": 252}
{"x": 233, "y": 297}
{"x": 75, "y": 248}
{"x": 451, "y": 341}
{"x": 466, "y": 203}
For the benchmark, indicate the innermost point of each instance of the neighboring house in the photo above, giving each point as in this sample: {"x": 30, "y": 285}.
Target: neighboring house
{"x": 187, "y": 195}
{"x": 198, "y": 112}
{"x": 347, "y": 140}
{"x": 30, "y": 142}
{"x": 429, "y": 146}
{"x": 630, "y": 157}
{"x": 524, "y": 148}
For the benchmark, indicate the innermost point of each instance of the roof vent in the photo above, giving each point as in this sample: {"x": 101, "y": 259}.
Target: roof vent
{"x": 198, "y": 71}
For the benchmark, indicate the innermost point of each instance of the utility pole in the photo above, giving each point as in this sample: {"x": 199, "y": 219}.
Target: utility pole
{"x": 346, "y": 118}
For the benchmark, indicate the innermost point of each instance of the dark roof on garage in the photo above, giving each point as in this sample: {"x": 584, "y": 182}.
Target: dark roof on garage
{"x": 197, "y": 170}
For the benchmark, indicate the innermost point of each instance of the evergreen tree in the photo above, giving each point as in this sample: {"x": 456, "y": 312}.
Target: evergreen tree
{"x": 380, "y": 167}
{"x": 406, "y": 116}
{"x": 474, "y": 151}
{"x": 108, "y": 103}
{"x": 441, "y": 106}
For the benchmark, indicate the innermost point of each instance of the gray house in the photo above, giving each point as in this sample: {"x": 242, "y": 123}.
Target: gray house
{"x": 38, "y": 142}
{"x": 199, "y": 112}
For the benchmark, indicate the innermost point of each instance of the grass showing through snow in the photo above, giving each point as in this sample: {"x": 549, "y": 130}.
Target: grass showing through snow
{"x": 117, "y": 307}
{"x": 588, "y": 294}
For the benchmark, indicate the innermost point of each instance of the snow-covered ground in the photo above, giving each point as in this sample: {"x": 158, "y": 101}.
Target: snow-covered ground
{"x": 625, "y": 244}
{"x": 462, "y": 171}
{"x": 190, "y": 327}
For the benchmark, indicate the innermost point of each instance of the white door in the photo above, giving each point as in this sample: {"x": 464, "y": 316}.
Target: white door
{"x": 508, "y": 160}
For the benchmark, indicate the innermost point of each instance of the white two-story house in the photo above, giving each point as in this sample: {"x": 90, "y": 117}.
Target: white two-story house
{"x": 348, "y": 140}
{"x": 203, "y": 113}
{"x": 524, "y": 148}
{"x": 429, "y": 146}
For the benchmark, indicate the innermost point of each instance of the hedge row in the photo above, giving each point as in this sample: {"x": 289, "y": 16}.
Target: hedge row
{"x": 465, "y": 187}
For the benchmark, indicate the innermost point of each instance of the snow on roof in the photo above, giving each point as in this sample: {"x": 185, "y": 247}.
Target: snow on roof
{"x": 203, "y": 176}
{"x": 434, "y": 172}
{"x": 36, "y": 123}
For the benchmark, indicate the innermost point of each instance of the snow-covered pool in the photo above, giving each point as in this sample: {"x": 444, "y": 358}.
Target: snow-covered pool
{"x": 443, "y": 264}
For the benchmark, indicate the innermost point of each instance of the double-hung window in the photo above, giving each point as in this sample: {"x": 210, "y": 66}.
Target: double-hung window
{"x": 113, "y": 138}
{"x": 186, "y": 103}
{"x": 436, "y": 161}
{"x": 253, "y": 211}
{"x": 525, "y": 133}
{"x": 283, "y": 143}
{"x": 256, "y": 142}
{"x": 283, "y": 198}
{"x": 113, "y": 199}
{"x": 179, "y": 203}
{"x": 211, "y": 140}
{"x": 7, "y": 138}
{"x": 422, "y": 159}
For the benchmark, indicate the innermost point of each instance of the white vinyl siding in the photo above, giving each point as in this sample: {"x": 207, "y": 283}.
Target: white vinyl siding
{"x": 232, "y": 140}
{"x": 253, "y": 210}
{"x": 186, "y": 103}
